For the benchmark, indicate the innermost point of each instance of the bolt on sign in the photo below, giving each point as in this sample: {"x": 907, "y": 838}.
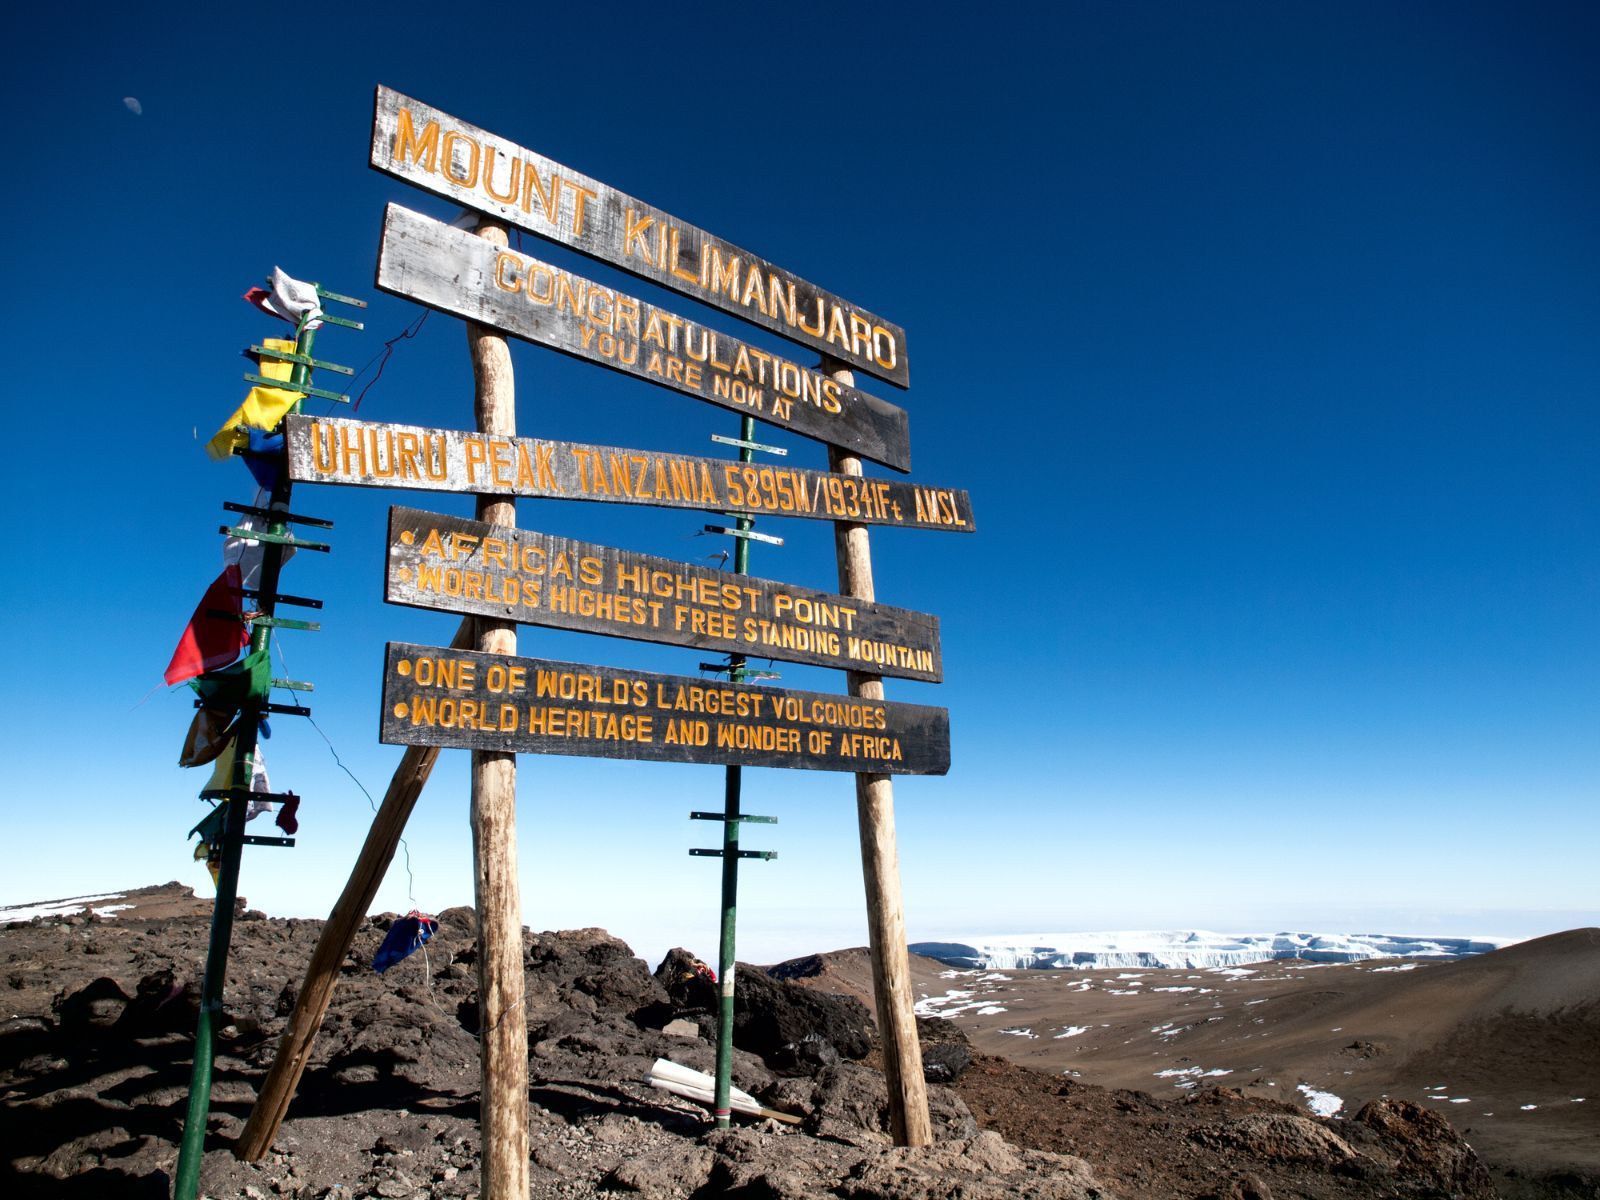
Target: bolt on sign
{"x": 433, "y": 696}
{"x": 442, "y": 154}
{"x": 371, "y": 454}
{"x": 456, "y": 565}
{"x": 467, "y": 276}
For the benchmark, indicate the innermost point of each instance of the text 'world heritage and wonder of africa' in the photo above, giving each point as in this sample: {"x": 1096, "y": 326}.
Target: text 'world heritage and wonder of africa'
{"x": 442, "y": 697}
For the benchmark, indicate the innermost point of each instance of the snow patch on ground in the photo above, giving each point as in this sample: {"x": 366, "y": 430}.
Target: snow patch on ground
{"x": 64, "y": 908}
{"x": 1192, "y": 1074}
{"x": 1324, "y": 1104}
{"x": 1194, "y": 949}
{"x": 1071, "y": 1031}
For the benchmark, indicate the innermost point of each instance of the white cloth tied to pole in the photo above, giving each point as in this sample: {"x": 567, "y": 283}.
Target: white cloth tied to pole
{"x": 247, "y": 552}
{"x": 293, "y": 300}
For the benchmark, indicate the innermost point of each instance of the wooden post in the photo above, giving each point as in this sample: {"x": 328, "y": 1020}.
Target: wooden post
{"x": 316, "y": 992}
{"x": 880, "y": 859}
{"x": 503, "y": 1024}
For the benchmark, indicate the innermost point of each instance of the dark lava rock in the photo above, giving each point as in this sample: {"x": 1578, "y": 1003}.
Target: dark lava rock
{"x": 1424, "y": 1144}
{"x": 588, "y": 970}
{"x": 163, "y": 1003}
{"x": 943, "y": 1062}
{"x": 946, "y": 1053}
{"x": 794, "y": 1029}
{"x": 93, "y": 1009}
{"x": 1280, "y": 1137}
{"x": 850, "y": 1103}
{"x": 23, "y": 1038}
{"x": 94, "y": 1064}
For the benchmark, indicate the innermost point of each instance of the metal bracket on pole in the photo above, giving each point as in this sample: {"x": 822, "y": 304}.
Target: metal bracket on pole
{"x": 340, "y": 321}
{"x": 279, "y": 598}
{"x": 251, "y": 510}
{"x": 244, "y": 793}
{"x": 305, "y": 389}
{"x": 744, "y": 672}
{"x": 268, "y": 622}
{"x": 288, "y": 623}
{"x": 744, "y": 445}
{"x": 767, "y": 854}
{"x": 325, "y": 294}
{"x": 288, "y": 710}
{"x": 273, "y": 539}
{"x": 251, "y": 839}
{"x": 286, "y": 356}
{"x": 716, "y": 816}
{"x": 748, "y": 534}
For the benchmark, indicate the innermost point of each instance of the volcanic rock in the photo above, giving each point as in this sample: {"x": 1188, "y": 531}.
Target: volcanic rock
{"x": 795, "y": 1030}
{"x": 94, "y": 1066}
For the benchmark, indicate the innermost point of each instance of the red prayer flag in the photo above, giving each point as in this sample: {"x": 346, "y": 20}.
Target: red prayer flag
{"x": 262, "y": 299}
{"x": 211, "y": 642}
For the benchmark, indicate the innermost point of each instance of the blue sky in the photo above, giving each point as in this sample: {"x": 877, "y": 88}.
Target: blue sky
{"x": 1263, "y": 336}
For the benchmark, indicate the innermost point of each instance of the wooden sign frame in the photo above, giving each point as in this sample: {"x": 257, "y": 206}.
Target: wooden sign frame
{"x": 432, "y": 150}
{"x": 450, "y": 270}
{"x": 434, "y": 696}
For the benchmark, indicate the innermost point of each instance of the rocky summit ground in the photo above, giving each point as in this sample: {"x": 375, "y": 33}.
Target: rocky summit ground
{"x": 95, "y": 1055}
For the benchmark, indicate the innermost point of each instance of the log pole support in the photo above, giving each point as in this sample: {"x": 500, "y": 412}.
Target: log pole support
{"x": 880, "y": 859}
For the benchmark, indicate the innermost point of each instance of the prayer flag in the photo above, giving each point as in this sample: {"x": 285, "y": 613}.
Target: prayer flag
{"x": 288, "y": 299}
{"x": 405, "y": 937}
{"x": 211, "y": 642}
{"x": 262, "y": 409}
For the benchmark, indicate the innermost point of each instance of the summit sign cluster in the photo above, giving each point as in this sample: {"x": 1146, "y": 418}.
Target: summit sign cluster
{"x": 497, "y": 572}
{"x": 479, "y": 694}
{"x": 475, "y": 568}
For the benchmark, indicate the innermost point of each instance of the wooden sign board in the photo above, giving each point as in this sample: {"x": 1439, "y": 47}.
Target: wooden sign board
{"x": 368, "y": 454}
{"x": 447, "y": 156}
{"x": 460, "y": 698}
{"x": 455, "y": 565}
{"x": 456, "y": 272}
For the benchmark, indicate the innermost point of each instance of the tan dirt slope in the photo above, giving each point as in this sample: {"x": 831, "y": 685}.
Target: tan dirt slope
{"x": 1504, "y": 1045}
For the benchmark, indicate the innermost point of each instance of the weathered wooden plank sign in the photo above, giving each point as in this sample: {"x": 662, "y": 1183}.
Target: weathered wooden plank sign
{"x": 369, "y": 454}
{"x": 460, "y": 698}
{"x": 448, "y": 269}
{"x": 455, "y": 565}
{"x": 419, "y": 144}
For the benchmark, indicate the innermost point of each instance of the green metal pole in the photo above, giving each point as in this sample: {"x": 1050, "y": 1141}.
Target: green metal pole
{"x": 192, "y": 1149}
{"x": 730, "y": 845}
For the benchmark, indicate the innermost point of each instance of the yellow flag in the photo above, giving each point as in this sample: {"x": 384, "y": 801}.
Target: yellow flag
{"x": 262, "y": 409}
